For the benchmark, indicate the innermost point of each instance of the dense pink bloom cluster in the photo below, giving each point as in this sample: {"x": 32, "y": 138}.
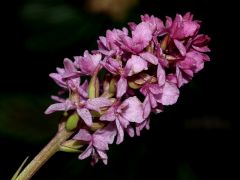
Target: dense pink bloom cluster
{"x": 132, "y": 73}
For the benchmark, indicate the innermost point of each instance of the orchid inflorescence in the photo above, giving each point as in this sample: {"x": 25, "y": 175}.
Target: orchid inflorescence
{"x": 113, "y": 90}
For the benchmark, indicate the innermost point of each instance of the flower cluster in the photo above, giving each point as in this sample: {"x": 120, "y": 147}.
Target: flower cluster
{"x": 134, "y": 72}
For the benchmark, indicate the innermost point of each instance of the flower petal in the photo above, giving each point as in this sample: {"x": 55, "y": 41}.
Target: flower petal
{"x": 152, "y": 100}
{"x": 68, "y": 65}
{"x": 58, "y": 99}
{"x": 130, "y": 131}
{"x": 85, "y": 115}
{"x": 89, "y": 62}
{"x": 108, "y": 133}
{"x": 86, "y": 153}
{"x": 121, "y": 87}
{"x": 142, "y": 34}
{"x": 146, "y": 107}
{"x": 155, "y": 89}
{"x": 180, "y": 47}
{"x": 103, "y": 156}
{"x": 65, "y": 106}
{"x": 109, "y": 115}
{"x": 149, "y": 57}
{"x": 201, "y": 49}
{"x": 161, "y": 75}
{"x": 83, "y": 135}
{"x": 99, "y": 142}
{"x": 58, "y": 79}
{"x": 97, "y": 103}
{"x": 120, "y": 132}
{"x": 134, "y": 111}
{"x": 135, "y": 65}
{"x": 170, "y": 94}
{"x": 144, "y": 124}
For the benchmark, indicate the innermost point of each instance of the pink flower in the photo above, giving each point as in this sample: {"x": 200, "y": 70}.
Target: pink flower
{"x": 142, "y": 125}
{"x": 122, "y": 114}
{"x": 133, "y": 66}
{"x": 67, "y": 77}
{"x": 97, "y": 143}
{"x": 82, "y": 107}
{"x": 152, "y": 93}
{"x": 155, "y": 24}
{"x": 167, "y": 94}
{"x": 182, "y": 26}
{"x": 170, "y": 94}
{"x": 155, "y": 98}
{"x": 88, "y": 63}
{"x": 192, "y": 63}
{"x": 200, "y": 43}
{"x": 109, "y": 45}
{"x": 141, "y": 36}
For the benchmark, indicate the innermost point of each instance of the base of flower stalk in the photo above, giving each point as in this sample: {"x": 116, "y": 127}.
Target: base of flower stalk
{"x": 45, "y": 154}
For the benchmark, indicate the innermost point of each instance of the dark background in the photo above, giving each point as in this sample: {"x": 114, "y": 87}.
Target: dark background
{"x": 196, "y": 139}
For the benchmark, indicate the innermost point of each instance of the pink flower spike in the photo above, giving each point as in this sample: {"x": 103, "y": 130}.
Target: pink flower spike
{"x": 133, "y": 73}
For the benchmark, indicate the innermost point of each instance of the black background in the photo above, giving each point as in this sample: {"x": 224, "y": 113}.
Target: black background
{"x": 194, "y": 139}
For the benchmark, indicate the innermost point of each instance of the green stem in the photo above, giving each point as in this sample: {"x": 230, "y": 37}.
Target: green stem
{"x": 47, "y": 152}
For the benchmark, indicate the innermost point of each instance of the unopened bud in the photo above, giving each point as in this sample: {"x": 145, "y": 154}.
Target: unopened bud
{"x": 93, "y": 88}
{"x": 71, "y": 146}
{"x": 72, "y": 122}
{"x": 165, "y": 42}
{"x": 97, "y": 125}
